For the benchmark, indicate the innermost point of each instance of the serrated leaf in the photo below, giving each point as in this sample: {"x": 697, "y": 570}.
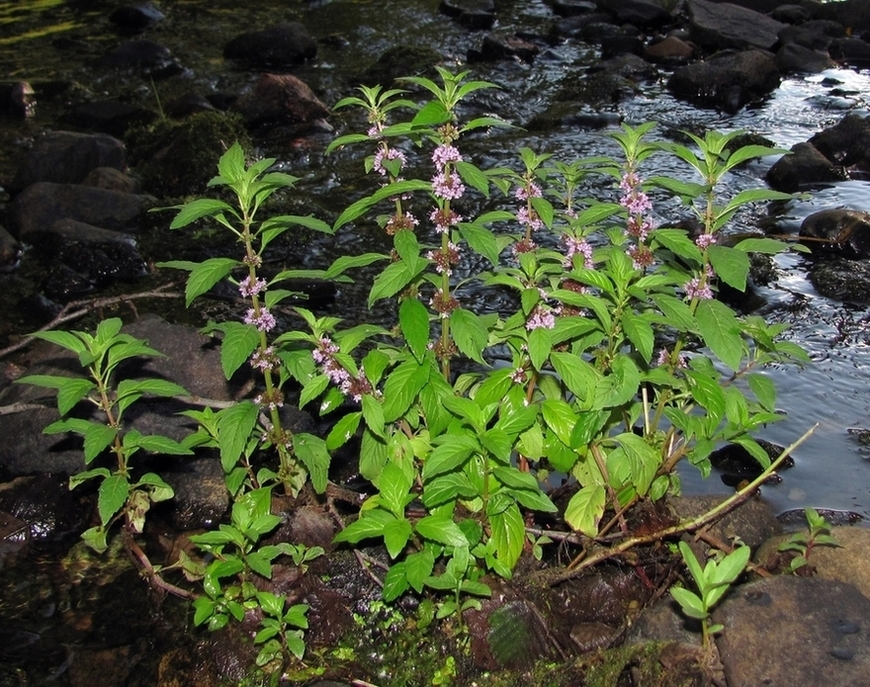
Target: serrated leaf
{"x": 395, "y": 277}
{"x": 678, "y": 242}
{"x": 578, "y": 376}
{"x": 560, "y": 418}
{"x": 205, "y": 275}
{"x": 402, "y": 386}
{"x": 197, "y": 209}
{"x": 395, "y": 582}
{"x": 585, "y": 509}
{"x": 469, "y": 334}
{"x": 414, "y": 321}
{"x": 370, "y": 524}
{"x": 472, "y": 176}
{"x": 448, "y": 487}
{"x": 540, "y": 345}
{"x": 721, "y": 332}
{"x": 112, "y": 496}
{"x": 640, "y": 333}
{"x": 731, "y": 265}
{"x": 235, "y": 426}
{"x": 346, "y": 262}
{"x": 343, "y": 430}
{"x": 450, "y": 454}
{"x": 312, "y": 451}
{"x": 677, "y": 312}
{"x": 442, "y": 530}
{"x": 396, "y": 536}
{"x": 418, "y": 567}
{"x": 481, "y": 240}
{"x": 508, "y": 534}
{"x": 238, "y": 343}
{"x": 762, "y": 245}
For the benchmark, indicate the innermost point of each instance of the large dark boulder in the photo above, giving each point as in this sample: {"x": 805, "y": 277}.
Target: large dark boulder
{"x": 477, "y": 15}
{"x": 805, "y": 168}
{"x": 847, "y": 143}
{"x": 854, "y": 14}
{"x": 716, "y": 26}
{"x": 839, "y": 230}
{"x": 280, "y": 100}
{"x": 817, "y": 34}
{"x": 796, "y": 58}
{"x": 727, "y": 81}
{"x": 638, "y": 12}
{"x": 277, "y": 46}
{"x": 66, "y": 157}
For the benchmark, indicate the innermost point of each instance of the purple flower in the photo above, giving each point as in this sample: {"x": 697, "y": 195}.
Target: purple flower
{"x": 518, "y": 376}
{"x": 447, "y": 186}
{"x": 542, "y": 317}
{"x": 529, "y": 218}
{"x": 388, "y": 154}
{"x": 444, "y": 219}
{"x": 638, "y": 228}
{"x": 704, "y": 241}
{"x": 573, "y": 246}
{"x": 531, "y": 190}
{"x": 629, "y": 181}
{"x": 444, "y": 154}
{"x": 664, "y": 357}
{"x": 695, "y": 290}
{"x": 265, "y": 321}
{"x": 264, "y": 359}
{"x": 636, "y": 202}
{"x": 249, "y": 286}
{"x": 397, "y": 222}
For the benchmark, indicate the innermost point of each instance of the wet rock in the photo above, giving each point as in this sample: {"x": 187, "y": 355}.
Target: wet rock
{"x": 753, "y": 521}
{"x": 736, "y": 465}
{"x": 670, "y": 50}
{"x": 14, "y": 539}
{"x": 664, "y": 622}
{"x": 796, "y": 58}
{"x": 852, "y": 51}
{"x": 280, "y": 100}
{"x": 10, "y": 250}
{"x": 573, "y": 8}
{"x": 573, "y": 26}
{"x": 843, "y": 231}
{"x": 815, "y": 35}
{"x": 111, "y": 179}
{"x": 644, "y": 13}
{"x": 804, "y": 168}
{"x": 717, "y": 25}
{"x": 791, "y": 14}
{"x": 201, "y": 497}
{"x": 179, "y": 158}
{"x": 110, "y": 116}
{"x": 51, "y": 512}
{"x": 42, "y": 204}
{"x": 400, "y": 61}
{"x": 500, "y": 46}
{"x": 25, "y": 450}
{"x": 852, "y": 13}
{"x": 794, "y": 631}
{"x": 727, "y": 81}
{"x": 150, "y": 58}
{"x": 620, "y": 44}
{"x": 66, "y": 157}
{"x": 847, "y": 143}
{"x": 842, "y": 279}
{"x": 277, "y": 46}
{"x": 135, "y": 18}
{"x": 476, "y": 15}
{"x": 188, "y": 104}
{"x": 17, "y": 99}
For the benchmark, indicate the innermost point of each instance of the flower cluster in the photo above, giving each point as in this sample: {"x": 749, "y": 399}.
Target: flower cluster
{"x": 704, "y": 241}
{"x": 272, "y": 401}
{"x": 251, "y": 286}
{"x": 528, "y": 217}
{"x": 575, "y": 246}
{"x": 264, "y": 320}
{"x": 386, "y": 154}
{"x": 354, "y": 387}
{"x": 446, "y": 183}
{"x": 542, "y": 317}
{"x": 530, "y": 190}
{"x": 398, "y": 221}
{"x": 443, "y": 304}
{"x": 444, "y": 260}
{"x": 633, "y": 199}
{"x": 443, "y": 219}
{"x": 265, "y": 359}
{"x": 666, "y": 357}
{"x": 694, "y": 289}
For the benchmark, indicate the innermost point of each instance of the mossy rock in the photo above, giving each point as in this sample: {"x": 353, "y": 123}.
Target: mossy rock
{"x": 177, "y": 159}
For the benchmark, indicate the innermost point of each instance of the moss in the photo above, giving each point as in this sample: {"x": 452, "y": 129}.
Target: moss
{"x": 179, "y": 158}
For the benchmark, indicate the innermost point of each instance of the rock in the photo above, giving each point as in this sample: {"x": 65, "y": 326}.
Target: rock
{"x": 815, "y": 35}
{"x": 110, "y": 116}
{"x": 10, "y": 250}
{"x": 724, "y": 25}
{"x": 796, "y": 58}
{"x": 852, "y": 13}
{"x": 25, "y": 450}
{"x": 135, "y": 18}
{"x": 151, "y": 58}
{"x": 277, "y": 46}
{"x": 669, "y": 50}
{"x": 753, "y": 521}
{"x": 842, "y": 279}
{"x": 51, "y": 513}
{"x": 476, "y": 15}
{"x": 573, "y": 8}
{"x": 795, "y": 631}
{"x": 644, "y": 13}
{"x": 791, "y": 14}
{"x": 804, "y": 168}
{"x": 111, "y": 179}
{"x": 499, "y": 46}
{"x": 280, "y": 100}
{"x": 201, "y": 497}
{"x": 186, "y": 105}
{"x": 664, "y": 622}
{"x": 727, "y": 81}
{"x": 620, "y": 44}
{"x": 846, "y": 232}
{"x": 574, "y": 26}
{"x": 17, "y": 99}
{"x": 853, "y": 51}
{"x": 42, "y": 204}
{"x": 400, "y": 61}
{"x": 847, "y": 143}
{"x": 66, "y": 157}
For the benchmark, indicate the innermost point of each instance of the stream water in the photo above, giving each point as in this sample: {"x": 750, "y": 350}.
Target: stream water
{"x": 53, "y": 41}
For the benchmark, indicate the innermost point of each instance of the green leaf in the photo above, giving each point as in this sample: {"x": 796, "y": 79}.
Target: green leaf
{"x": 418, "y": 567}
{"x": 111, "y": 497}
{"x": 238, "y": 343}
{"x": 95, "y": 537}
{"x": 540, "y": 346}
{"x": 578, "y": 376}
{"x": 346, "y": 262}
{"x": 676, "y": 311}
{"x": 373, "y": 412}
{"x": 442, "y": 530}
{"x": 395, "y": 487}
{"x": 396, "y": 536}
{"x": 678, "y": 241}
{"x": 205, "y": 275}
{"x": 155, "y": 443}
{"x": 81, "y": 477}
{"x": 585, "y": 509}
{"x": 481, "y": 240}
{"x": 70, "y": 390}
{"x": 762, "y": 245}
{"x": 508, "y": 534}
{"x": 560, "y": 418}
{"x": 690, "y": 603}
{"x": 764, "y": 390}
{"x": 395, "y": 582}
{"x": 312, "y": 451}
{"x": 414, "y": 321}
{"x": 448, "y": 487}
{"x": 343, "y": 430}
{"x": 640, "y": 333}
{"x": 721, "y": 331}
{"x": 451, "y": 453}
{"x": 469, "y": 334}
{"x": 235, "y": 426}
{"x": 621, "y": 385}
{"x": 395, "y": 277}
{"x": 472, "y": 176}
{"x": 370, "y": 524}
{"x": 432, "y": 113}
{"x": 196, "y": 209}
{"x": 402, "y": 386}
{"x": 314, "y": 386}
{"x": 731, "y": 265}
{"x": 707, "y": 393}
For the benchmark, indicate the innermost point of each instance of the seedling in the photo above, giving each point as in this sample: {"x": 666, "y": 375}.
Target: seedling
{"x": 819, "y": 534}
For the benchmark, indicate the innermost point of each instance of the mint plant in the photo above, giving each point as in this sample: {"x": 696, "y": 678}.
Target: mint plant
{"x": 122, "y": 495}
{"x": 254, "y": 424}
{"x": 818, "y": 534}
{"x": 712, "y": 582}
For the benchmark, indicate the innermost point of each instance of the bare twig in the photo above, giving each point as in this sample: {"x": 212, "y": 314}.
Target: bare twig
{"x": 76, "y": 309}
{"x": 687, "y": 526}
